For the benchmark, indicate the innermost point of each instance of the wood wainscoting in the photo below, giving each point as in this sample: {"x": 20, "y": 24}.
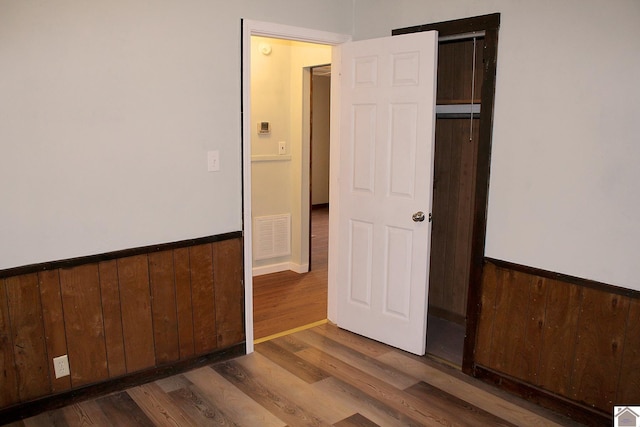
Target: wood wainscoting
{"x": 118, "y": 314}
{"x": 564, "y": 342}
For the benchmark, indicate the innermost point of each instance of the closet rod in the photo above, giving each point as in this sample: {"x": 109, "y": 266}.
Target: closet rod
{"x": 471, "y": 35}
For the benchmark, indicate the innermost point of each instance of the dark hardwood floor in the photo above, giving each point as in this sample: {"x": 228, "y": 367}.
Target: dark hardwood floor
{"x": 287, "y": 300}
{"x": 316, "y": 377}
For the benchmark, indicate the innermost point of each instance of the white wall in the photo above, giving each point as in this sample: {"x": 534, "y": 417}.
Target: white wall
{"x": 280, "y": 184}
{"x": 564, "y": 192}
{"x": 107, "y": 110}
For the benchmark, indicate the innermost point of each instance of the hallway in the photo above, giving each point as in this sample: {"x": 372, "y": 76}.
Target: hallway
{"x": 288, "y": 300}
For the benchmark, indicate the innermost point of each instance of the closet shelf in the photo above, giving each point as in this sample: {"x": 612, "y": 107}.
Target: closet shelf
{"x": 455, "y": 111}
{"x": 457, "y": 101}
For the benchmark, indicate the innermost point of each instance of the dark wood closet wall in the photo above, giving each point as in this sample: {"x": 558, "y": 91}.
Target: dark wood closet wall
{"x": 117, "y": 314}
{"x": 454, "y": 179}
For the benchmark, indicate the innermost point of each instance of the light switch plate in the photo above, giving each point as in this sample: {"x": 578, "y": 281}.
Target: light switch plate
{"x": 213, "y": 161}
{"x": 282, "y": 148}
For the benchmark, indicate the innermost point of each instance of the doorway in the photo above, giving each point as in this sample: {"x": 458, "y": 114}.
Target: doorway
{"x": 281, "y": 32}
{"x": 287, "y": 300}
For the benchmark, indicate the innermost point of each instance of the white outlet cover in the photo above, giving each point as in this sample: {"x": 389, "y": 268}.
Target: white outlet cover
{"x": 61, "y": 366}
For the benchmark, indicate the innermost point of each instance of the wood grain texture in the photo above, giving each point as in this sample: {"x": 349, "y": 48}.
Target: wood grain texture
{"x": 84, "y": 324}
{"x": 599, "y": 350}
{"x": 486, "y": 318}
{"x": 137, "y": 325}
{"x": 115, "y": 317}
{"x": 229, "y": 292}
{"x": 203, "y": 412}
{"x": 558, "y": 349}
{"x": 278, "y": 403}
{"x": 9, "y": 389}
{"x": 164, "y": 313}
{"x": 122, "y": 410}
{"x": 291, "y": 362}
{"x": 203, "y": 298}
{"x": 54, "y": 326}
{"x": 86, "y": 414}
{"x": 534, "y": 330}
{"x": 327, "y": 407}
{"x": 573, "y": 340}
{"x": 456, "y": 80}
{"x": 238, "y": 406}
{"x": 184, "y": 304}
{"x": 254, "y": 390}
{"x": 453, "y": 199}
{"x": 112, "y": 314}
{"x": 27, "y": 330}
{"x": 465, "y": 414}
{"x": 628, "y": 389}
{"x": 159, "y": 407}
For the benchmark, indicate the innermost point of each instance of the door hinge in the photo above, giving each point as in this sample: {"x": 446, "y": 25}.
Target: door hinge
{"x": 429, "y": 216}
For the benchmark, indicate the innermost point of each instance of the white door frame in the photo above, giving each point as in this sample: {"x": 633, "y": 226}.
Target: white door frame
{"x": 268, "y": 29}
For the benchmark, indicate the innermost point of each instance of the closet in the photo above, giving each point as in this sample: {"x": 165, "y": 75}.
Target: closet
{"x": 460, "y": 68}
{"x": 467, "y": 62}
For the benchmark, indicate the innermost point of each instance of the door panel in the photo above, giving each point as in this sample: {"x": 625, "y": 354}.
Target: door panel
{"x": 386, "y": 172}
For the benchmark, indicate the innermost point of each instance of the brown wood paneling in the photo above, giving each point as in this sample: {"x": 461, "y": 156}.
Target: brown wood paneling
{"x": 534, "y": 329}
{"x": 137, "y": 325}
{"x": 439, "y": 230}
{"x": 112, "y": 315}
{"x": 467, "y": 135}
{"x": 453, "y": 199}
{"x": 629, "y": 382}
{"x": 84, "y": 324}
{"x": 229, "y": 292}
{"x": 53, "y": 316}
{"x": 487, "y": 315}
{"x": 184, "y": 304}
{"x": 558, "y": 348}
{"x": 601, "y": 328}
{"x": 9, "y": 389}
{"x": 203, "y": 298}
{"x": 509, "y": 330}
{"x": 455, "y": 72}
{"x": 27, "y": 329}
{"x": 165, "y": 320}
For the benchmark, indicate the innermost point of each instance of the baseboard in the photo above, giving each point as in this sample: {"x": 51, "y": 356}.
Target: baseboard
{"x": 447, "y": 315}
{"x": 283, "y": 266}
{"x": 48, "y": 403}
{"x": 561, "y": 405}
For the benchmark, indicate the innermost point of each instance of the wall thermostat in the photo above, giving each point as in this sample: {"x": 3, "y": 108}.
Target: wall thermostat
{"x": 264, "y": 128}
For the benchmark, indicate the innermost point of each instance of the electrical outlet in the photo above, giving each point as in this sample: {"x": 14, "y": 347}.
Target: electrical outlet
{"x": 61, "y": 366}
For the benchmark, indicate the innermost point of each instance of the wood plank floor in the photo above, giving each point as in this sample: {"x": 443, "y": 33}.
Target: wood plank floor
{"x": 317, "y": 377}
{"x": 287, "y": 300}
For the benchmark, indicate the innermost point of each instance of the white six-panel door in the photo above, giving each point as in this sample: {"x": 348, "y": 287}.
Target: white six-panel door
{"x": 387, "y": 119}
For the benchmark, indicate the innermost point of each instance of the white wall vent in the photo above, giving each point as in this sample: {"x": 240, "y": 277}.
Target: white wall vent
{"x": 272, "y": 236}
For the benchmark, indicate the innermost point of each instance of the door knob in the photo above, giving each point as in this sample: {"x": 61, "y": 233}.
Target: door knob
{"x": 418, "y": 216}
